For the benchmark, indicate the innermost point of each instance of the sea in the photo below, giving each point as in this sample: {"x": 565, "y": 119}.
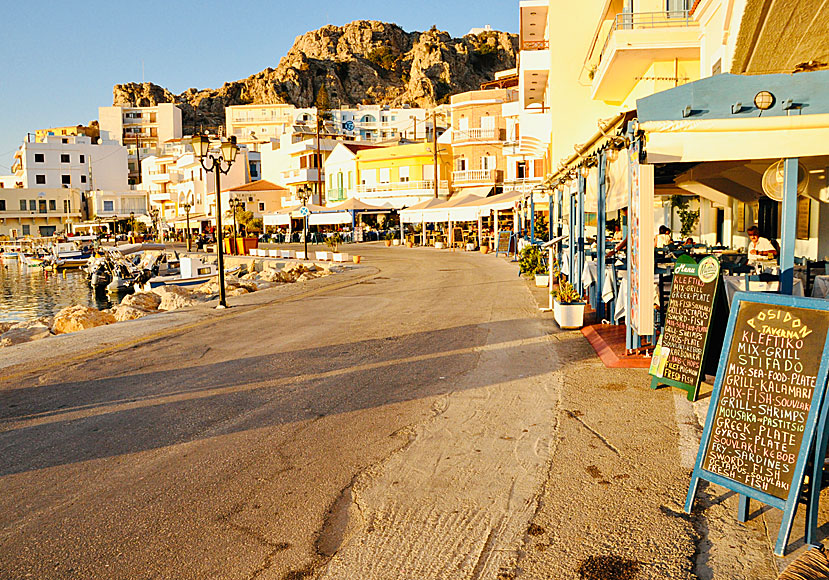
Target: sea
{"x": 29, "y": 293}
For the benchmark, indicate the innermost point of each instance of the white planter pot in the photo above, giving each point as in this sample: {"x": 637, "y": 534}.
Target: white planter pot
{"x": 324, "y": 256}
{"x": 438, "y": 245}
{"x": 300, "y": 255}
{"x": 395, "y": 242}
{"x": 273, "y": 253}
{"x": 288, "y": 254}
{"x": 569, "y": 315}
{"x": 340, "y": 257}
{"x": 542, "y": 280}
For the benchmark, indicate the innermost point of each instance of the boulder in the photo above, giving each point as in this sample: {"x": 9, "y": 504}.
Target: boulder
{"x": 174, "y": 297}
{"x": 238, "y": 291}
{"x": 4, "y": 326}
{"x": 126, "y": 312}
{"x": 24, "y": 332}
{"x": 142, "y": 300}
{"x": 249, "y": 285}
{"x": 75, "y": 318}
{"x": 271, "y": 276}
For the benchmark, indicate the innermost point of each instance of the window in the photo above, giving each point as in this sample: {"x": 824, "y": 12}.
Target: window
{"x": 404, "y": 174}
{"x": 488, "y": 162}
{"x": 67, "y": 206}
{"x": 83, "y": 158}
{"x": 108, "y": 206}
{"x": 32, "y": 205}
{"x": 2, "y": 205}
{"x": 64, "y": 157}
{"x": 385, "y": 175}
{"x": 261, "y": 206}
{"x": 22, "y": 205}
{"x": 83, "y": 178}
{"x": 40, "y": 179}
{"x": 64, "y": 141}
{"x": 66, "y": 179}
{"x": 27, "y": 229}
{"x": 53, "y": 205}
{"x": 40, "y": 158}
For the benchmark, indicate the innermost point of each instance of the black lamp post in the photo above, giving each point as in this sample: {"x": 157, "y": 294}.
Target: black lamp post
{"x": 186, "y": 207}
{"x": 304, "y": 193}
{"x": 219, "y": 162}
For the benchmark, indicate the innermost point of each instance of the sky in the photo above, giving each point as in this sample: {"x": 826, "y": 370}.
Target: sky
{"x": 61, "y": 59}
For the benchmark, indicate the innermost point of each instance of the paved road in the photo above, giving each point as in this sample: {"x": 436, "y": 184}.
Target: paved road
{"x": 399, "y": 427}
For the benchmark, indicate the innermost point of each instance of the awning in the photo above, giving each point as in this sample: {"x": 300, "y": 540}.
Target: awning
{"x": 736, "y": 139}
{"x": 329, "y": 218}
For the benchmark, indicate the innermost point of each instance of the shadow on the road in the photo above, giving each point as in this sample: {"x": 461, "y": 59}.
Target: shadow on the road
{"x": 74, "y": 421}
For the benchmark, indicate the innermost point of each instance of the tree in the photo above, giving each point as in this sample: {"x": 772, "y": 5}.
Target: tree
{"x": 323, "y": 103}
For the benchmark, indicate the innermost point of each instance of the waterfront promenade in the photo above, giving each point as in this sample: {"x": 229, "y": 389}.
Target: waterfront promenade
{"x": 414, "y": 417}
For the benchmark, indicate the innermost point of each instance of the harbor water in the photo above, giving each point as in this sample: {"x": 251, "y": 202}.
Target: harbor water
{"x": 29, "y": 293}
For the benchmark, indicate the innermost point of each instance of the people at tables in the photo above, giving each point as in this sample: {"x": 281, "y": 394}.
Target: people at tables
{"x": 617, "y": 233}
{"x": 689, "y": 243}
{"x": 759, "y": 248}
{"x": 663, "y": 238}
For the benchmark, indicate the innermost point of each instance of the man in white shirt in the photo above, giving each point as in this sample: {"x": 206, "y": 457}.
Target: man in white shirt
{"x": 759, "y": 248}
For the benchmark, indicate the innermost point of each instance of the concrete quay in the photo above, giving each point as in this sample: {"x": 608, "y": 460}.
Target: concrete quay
{"x": 413, "y": 417}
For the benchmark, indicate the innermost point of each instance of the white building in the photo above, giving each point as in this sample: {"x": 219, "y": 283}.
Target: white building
{"x": 175, "y": 178}
{"x": 141, "y": 129}
{"x": 292, "y": 162}
{"x": 68, "y": 161}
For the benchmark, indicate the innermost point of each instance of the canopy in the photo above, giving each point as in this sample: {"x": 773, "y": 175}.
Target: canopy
{"x": 415, "y": 213}
{"x": 354, "y": 204}
{"x": 329, "y": 218}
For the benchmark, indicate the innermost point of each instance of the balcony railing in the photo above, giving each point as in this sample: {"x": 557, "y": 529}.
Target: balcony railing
{"x": 475, "y": 175}
{"x": 379, "y": 189}
{"x": 648, "y": 20}
{"x": 535, "y": 45}
{"x": 479, "y": 134}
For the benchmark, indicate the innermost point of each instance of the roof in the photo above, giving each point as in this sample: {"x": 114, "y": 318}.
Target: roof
{"x": 261, "y": 185}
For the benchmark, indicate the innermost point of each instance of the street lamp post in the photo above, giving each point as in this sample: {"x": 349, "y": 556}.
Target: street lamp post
{"x": 304, "y": 193}
{"x": 215, "y": 161}
{"x": 186, "y": 208}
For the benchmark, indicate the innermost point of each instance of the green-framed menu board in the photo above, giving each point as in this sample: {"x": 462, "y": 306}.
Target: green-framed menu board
{"x": 763, "y": 416}
{"x": 694, "y": 326}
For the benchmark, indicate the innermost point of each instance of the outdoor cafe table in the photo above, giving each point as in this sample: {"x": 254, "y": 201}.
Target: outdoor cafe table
{"x": 821, "y": 287}
{"x": 735, "y": 283}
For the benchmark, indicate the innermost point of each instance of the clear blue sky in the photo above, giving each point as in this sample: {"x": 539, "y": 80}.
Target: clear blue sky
{"x": 60, "y": 59}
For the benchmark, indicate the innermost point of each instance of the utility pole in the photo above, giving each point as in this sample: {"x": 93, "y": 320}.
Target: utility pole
{"x": 320, "y": 197}
{"x": 435, "y": 147}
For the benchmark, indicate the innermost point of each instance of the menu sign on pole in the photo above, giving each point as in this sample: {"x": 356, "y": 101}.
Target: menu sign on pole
{"x": 688, "y": 340}
{"x": 770, "y": 385}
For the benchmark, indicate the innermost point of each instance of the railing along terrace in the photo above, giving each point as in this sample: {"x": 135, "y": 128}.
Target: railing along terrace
{"x": 478, "y": 134}
{"x": 474, "y": 175}
{"x": 648, "y": 20}
{"x": 400, "y": 186}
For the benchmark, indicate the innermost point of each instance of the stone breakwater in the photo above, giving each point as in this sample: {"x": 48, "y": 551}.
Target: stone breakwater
{"x": 253, "y": 276}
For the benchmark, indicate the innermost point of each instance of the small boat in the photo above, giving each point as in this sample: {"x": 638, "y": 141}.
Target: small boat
{"x": 70, "y": 254}
{"x": 193, "y": 272}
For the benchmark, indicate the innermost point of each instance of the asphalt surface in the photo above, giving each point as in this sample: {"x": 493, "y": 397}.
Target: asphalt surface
{"x": 412, "y": 418}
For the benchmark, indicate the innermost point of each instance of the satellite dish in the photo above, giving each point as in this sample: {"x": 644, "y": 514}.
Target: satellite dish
{"x": 773, "y": 180}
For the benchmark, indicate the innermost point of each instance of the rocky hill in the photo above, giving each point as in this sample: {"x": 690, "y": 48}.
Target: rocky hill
{"x": 361, "y": 62}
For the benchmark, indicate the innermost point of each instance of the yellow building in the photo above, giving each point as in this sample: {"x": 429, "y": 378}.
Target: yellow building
{"x": 28, "y": 212}
{"x": 91, "y": 132}
{"x": 402, "y": 175}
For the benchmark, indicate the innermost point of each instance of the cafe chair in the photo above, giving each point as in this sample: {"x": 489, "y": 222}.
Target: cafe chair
{"x": 810, "y": 565}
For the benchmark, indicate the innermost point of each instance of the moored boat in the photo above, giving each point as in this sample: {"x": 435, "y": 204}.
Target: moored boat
{"x": 193, "y": 272}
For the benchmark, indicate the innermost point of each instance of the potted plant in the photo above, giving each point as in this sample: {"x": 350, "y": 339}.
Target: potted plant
{"x": 334, "y": 242}
{"x": 388, "y": 238}
{"x": 568, "y": 309}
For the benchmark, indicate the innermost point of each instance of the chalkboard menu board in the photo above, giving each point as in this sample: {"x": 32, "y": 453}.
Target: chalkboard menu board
{"x": 763, "y": 414}
{"x": 504, "y": 239}
{"x": 688, "y": 340}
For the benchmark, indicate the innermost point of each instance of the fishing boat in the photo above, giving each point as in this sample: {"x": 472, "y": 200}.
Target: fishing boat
{"x": 74, "y": 254}
{"x": 193, "y": 272}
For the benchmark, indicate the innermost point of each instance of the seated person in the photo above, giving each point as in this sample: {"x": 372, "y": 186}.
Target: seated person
{"x": 689, "y": 242}
{"x": 663, "y": 238}
{"x": 617, "y": 233}
{"x": 759, "y": 248}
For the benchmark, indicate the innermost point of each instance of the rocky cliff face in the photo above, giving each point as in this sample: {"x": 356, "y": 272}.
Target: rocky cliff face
{"x": 361, "y": 62}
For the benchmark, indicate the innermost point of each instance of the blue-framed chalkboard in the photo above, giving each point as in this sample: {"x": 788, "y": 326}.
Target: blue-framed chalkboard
{"x": 767, "y": 399}
{"x": 504, "y": 241}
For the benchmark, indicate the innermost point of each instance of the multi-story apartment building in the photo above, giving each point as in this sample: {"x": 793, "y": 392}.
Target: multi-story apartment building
{"x": 69, "y": 161}
{"x": 402, "y": 175}
{"x": 38, "y": 212}
{"x": 141, "y": 129}
{"x": 341, "y": 171}
{"x": 255, "y": 125}
{"x": 176, "y": 178}
{"x": 479, "y": 132}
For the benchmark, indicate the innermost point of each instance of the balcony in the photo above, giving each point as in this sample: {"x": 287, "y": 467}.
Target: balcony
{"x": 295, "y": 176}
{"x": 637, "y": 40}
{"x": 475, "y": 135}
{"x": 160, "y": 197}
{"x": 483, "y": 176}
{"x": 401, "y": 189}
